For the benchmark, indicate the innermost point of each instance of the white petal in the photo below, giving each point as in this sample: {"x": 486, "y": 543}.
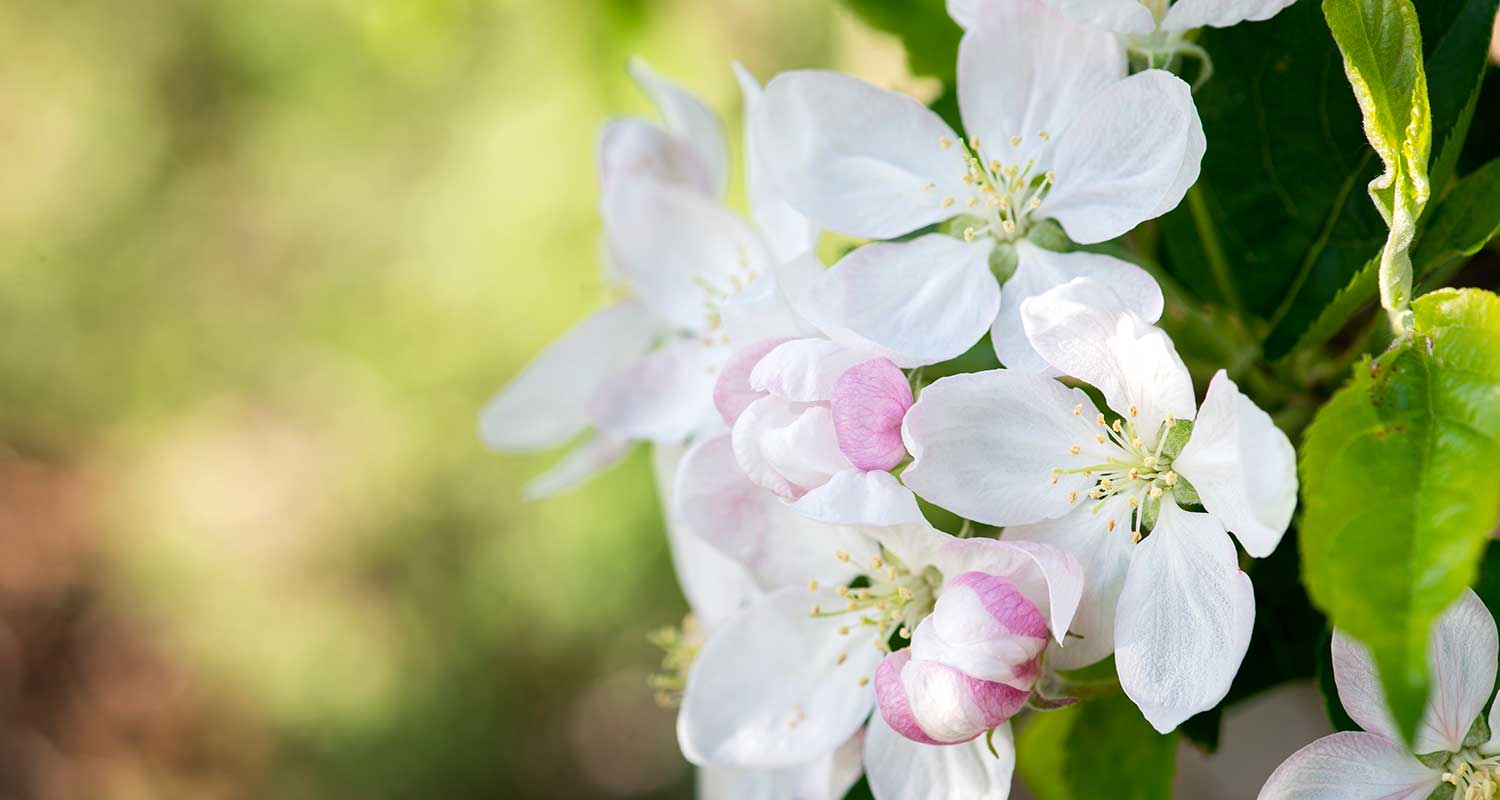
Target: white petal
{"x": 1189, "y": 14}
{"x": 665, "y": 397}
{"x": 1131, "y": 158}
{"x": 1351, "y": 766}
{"x": 688, "y": 118}
{"x": 1462, "y": 655}
{"x": 899, "y": 768}
{"x": 1024, "y": 70}
{"x": 634, "y": 149}
{"x": 768, "y": 689}
{"x": 1119, "y": 16}
{"x": 1104, "y": 556}
{"x": 827, "y": 777}
{"x": 856, "y": 497}
{"x": 1242, "y": 465}
{"x": 1039, "y": 270}
{"x": 1079, "y": 330}
{"x": 755, "y": 528}
{"x": 967, "y": 13}
{"x": 547, "y": 403}
{"x": 804, "y": 370}
{"x": 917, "y": 302}
{"x": 760, "y": 312}
{"x": 679, "y": 250}
{"x": 857, "y": 159}
{"x": 584, "y": 461}
{"x": 985, "y": 445}
{"x": 1184, "y": 618}
{"x": 788, "y": 233}
{"x": 788, "y": 448}
{"x": 714, "y": 585}
{"x": 1360, "y": 692}
{"x": 996, "y": 636}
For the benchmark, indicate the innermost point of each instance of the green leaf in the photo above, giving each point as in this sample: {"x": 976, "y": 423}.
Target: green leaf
{"x": 929, "y": 35}
{"x": 1463, "y": 222}
{"x": 1098, "y": 748}
{"x": 1382, "y": 45}
{"x": 1399, "y": 488}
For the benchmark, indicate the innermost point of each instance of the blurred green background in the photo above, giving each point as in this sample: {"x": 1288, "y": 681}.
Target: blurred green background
{"x": 260, "y": 266}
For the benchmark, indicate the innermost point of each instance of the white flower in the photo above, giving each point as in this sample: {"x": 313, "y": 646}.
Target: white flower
{"x": 1013, "y": 449}
{"x": 699, "y": 284}
{"x": 1153, "y": 28}
{"x": 1058, "y": 132}
{"x": 776, "y": 684}
{"x": 1453, "y": 744}
{"x": 717, "y": 586}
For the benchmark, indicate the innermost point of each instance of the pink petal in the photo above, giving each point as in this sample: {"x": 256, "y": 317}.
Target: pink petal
{"x": 732, "y": 391}
{"x": 869, "y": 401}
{"x": 890, "y": 694}
{"x": 1011, "y": 609}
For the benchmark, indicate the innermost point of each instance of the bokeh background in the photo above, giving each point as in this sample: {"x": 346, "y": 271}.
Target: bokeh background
{"x": 260, "y": 266}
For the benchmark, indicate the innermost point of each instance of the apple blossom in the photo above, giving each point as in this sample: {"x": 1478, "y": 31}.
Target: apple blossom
{"x": 716, "y": 587}
{"x": 1454, "y": 744}
{"x": 1165, "y": 591}
{"x": 1156, "y": 29}
{"x": 698, "y": 284}
{"x": 971, "y": 665}
{"x": 871, "y": 163}
{"x": 777, "y": 683}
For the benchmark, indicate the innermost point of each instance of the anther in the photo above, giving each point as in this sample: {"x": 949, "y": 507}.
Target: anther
{"x": 1155, "y": 492}
{"x": 1171, "y": 420}
{"x": 1135, "y": 502}
{"x": 994, "y": 165}
{"x": 1010, "y": 227}
{"x": 843, "y": 630}
{"x": 1133, "y": 410}
{"x": 1109, "y": 527}
{"x": 816, "y": 610}
{"x": 904, "y": 593}
{"x": 972, "y": 201}
{"x": 969, "y": 233}
{"x": 842, "y": 556}
{"x": 1136, "y": 537}
{"x": 863, "y": 681}
{"x": 1135, "y": 474}
{"x": 1078, "y": 409}
{"x": 843, "y": 591}
{"x": 1170, "y": 478}
{"x": 1075, "y": 449}
{"x": 929, "y": 187}
{"x": 1117, "y": 428}
{"x": 905, "y": 632}
{"x": 1015, "y": 140}
{"x": 841, "y": 659}
{"x": 1043, "y": 136}
{"x": 812, "y": 586}
{"x": 948, "y": 202}
{"x": 1100, "y": 438}
{"x": 944, "y": 142}
{"x": 1099, "y": 420}
{"x": 1072, "y": 498}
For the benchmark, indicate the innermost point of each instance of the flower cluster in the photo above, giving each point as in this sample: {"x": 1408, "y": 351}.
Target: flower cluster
{"x": 835, "y": 630}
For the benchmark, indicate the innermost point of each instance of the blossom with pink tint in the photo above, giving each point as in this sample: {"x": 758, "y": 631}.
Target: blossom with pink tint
{"x": 971, "y": 665}
{"x": 821, "y": 429}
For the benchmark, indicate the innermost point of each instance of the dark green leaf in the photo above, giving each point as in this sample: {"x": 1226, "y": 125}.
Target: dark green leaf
{"x": 1466, "y": 219}
{"x": 1098, "y": 748}
{"x": 1281, "y": 193}
{"x": 924, "y": 27}
{"x": 1399, "y": 491}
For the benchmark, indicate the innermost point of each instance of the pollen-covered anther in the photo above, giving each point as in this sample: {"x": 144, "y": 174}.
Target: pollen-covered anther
{"x": 944, "y": 142}
{"x": 1072, "y": 497}
{"x": 1075, "y": 449}
{"x": 842, "y": 556}
{"x": 974, "y": 142}
{"x": 904, "y": 593}
{"x": 1155, "y": 492}
{"x": 1134, "y": 411}
{"x": 1078, "y": 409}
{"x": 816, "y": 610}
{"x": 1148, "y": 461}
{"x": 968, "y": 234}
{"x": 843, "y": 591}
{"x": 1099, "y": 420}
{"x": 1135, "y": 473}
{"x": 929, "y": 187}
{"x": 1136, "y": 537}
{"x": 1135, "y": 502}
{"x": 1010, "y": 227}
{"x": 812, "y": 586}
{"x": 949, "y": 201}
{"x": 1016, "y": 140}
{"x": 1043, "y": 136}
{"x": 970, "y": 203}
{"x": 1035, "y": 202}
{"x": 843, "y": 630}
{"x": 1109, "y": 527}
{"x": 842, "y": 657}
{"x": 863, "y": 681}
{"x": 1170, "y": 478}
{"x": 1101, "y": 438}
